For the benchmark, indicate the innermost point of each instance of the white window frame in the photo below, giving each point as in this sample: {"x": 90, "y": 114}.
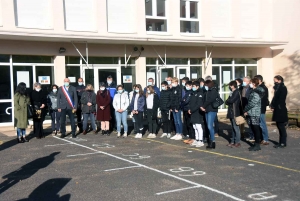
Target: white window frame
{"x": 154, "y": 16}
{"x": 188, "y": 16}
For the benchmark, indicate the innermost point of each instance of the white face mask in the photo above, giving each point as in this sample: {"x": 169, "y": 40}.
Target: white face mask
{"x": 150, "y": 83}
{"x": 102, "y": 88}
{"x": 174, "y": 85}
{"x": 80, "y": 83}
{"x": 54, "y": 90}
{"x": 169, "y": 82}
{"x": 38, "y": 89}
{"x": 148, "y": 91}
{"x": 109, "y": 81}
{"x": 251, "y": 85}
{"x": 163, "y": 88}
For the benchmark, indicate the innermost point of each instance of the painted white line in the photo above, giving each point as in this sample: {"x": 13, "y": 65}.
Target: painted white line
{"x": 122, "y": 168}
{"x": 176, "y": 190}
{"x": 53, "y": 145}
{"x": 155, "y": 170}
{"x": 83, "y": 154}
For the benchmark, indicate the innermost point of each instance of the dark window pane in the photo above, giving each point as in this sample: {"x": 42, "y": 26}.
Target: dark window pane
{"x": 161, "y": 8}
{"x": 148, "y": 7}
{"x": 189, "y": 26}
{"x": 221, "y": 61}
{"x": 102, "y": 60}
{"x": 4, "y": 117}
{"x": 73, "y": 71}
{"x": 5, "y": 86}
{"x": 182, "y": 9}
{"x": 4, "y": 58}
{"x": 193, "y": 10}
{"x": 251, "y": 71}
{"x": 195, "y": 61}
{"x": 150, "y": 60}
{"x": 226, "y": 78}
{"x": 89, "y": 77}
{"x": 239, "y": 72}
{"x": 196, "y": 72}
{"x": 44, "y": 71}
{"x": 128, "y": 71}
{"x": 216, "y": 75}
{"x": 156, "y": 25}
{"x": 245, "y": 61}
{"x": 72, "y": 60}
{"x": 177, "y": 61}
{"x": 31, "y": 59}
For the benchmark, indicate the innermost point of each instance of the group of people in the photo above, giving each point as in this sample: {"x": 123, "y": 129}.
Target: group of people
{"x": 198, "y": 100}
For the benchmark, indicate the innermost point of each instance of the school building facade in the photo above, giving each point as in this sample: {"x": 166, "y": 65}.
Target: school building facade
{"x": 131, "y": 40}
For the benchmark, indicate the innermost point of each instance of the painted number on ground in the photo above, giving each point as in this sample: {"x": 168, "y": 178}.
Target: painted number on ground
{"x": 262, "y": 196}
{"x": 187, "y": 172}
{"x": 136, "y": 156}
{"x": 103, "y": 145}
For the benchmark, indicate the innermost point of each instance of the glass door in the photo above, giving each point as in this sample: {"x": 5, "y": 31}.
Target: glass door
{"x": 182, "y": 72}
{"x": 166, "y": 72}
{"x": 6, "y": 91}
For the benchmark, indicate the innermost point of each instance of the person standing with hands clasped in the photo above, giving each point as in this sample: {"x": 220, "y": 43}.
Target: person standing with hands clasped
{"x": 137, "y": 107}
{"x": 176, "y": 108}
{"x": 88, "y": 107}
{"x": 121, "y": 103}
{"x": 67, "y": 101}
{"x": 152, "y": 102}
{"x": 103, "y": 110}
{"x": 165, "y": 106}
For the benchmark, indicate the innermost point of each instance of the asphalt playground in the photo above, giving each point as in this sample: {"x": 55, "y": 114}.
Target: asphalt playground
{"x": 96, "y": 167}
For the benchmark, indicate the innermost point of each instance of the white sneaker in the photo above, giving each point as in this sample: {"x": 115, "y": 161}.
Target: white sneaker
{"x": 169, "y": 135}
{"x": 199, "y": 144}
{"x": 124, "y": 135}
{"x": 137, "y": 135}
{"x": 174, "y": 137}
{"x": 153, "y": 135}
{"x": 164, "y": 135}
{"x": 118, "y": 135}
{"x": 179, "y": 137}
{"x": 149, "y": 135}
{"x": 194, "y": 143}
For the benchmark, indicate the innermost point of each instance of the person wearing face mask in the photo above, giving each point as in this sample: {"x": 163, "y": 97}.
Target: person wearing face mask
{"x": 151, "y": 83}
{"x": 67, "y": 104}
{"x": 80, "y": 89}
{"x": 183, "y": 83}
{"x": 38, "y": 101}
{"x": 194, "y": 106}
{"x": 121, "y": 103}
{"x": 110, "y": 82}
{"x": 278, "y": 107}
{"x": 110, "y": 85}
{"x": 152, "y": 104}
{"x": 134, "y": 131}
{"x": 103, "y": 100}
{"x": 176, "y": 108}
{"x": 188, "y": 130}
{"x": 245, "y": 96}
{"x": 169, "y": 81}
{"x": 165, "y": 106}
{"x": 55, "y": 115}
{"x": 137, "y": 107}
{"x": 88, "y": 105}
{"x": 239, "y": 83}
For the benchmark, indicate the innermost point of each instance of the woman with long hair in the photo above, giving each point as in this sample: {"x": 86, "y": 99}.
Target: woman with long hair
{"x": 103, "y": 100}
{"x": 88, "y": 108}
{"x": 137, "y": 107}
{"x": 21, "y": 102}
{"x": 152, "y": 102}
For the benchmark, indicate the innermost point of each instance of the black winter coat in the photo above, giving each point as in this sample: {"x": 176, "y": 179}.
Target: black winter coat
{"x": 278, "y": 103}
{"x": 155, "y": 106}
{"x": 210, "y": 97}
{"x": 185, "y": 100}
{"x": 234, "y": 102}
{"x": 264, "y": 99}
{"x": 176, "y": 97}
{"x": 196, "y": 101}
{"x": 165, "y": 100}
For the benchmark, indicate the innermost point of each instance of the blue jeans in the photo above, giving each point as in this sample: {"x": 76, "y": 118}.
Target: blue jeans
{"x": 21, "y": 132}
{"x": 85, "y": 121}
{"x": 210, "y": 118}
{"x": 236, "y": 134}
{"x": 55, "y": 120}
{"x": 264, "y": 128}
{"x": 177, "y": 121}
{"x": 121, "y": 117}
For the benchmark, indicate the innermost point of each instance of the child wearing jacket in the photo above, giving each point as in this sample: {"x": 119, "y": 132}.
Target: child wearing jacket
{"x": 165, "y": 106}
{"x": 137, "y": 107}
{"x": 152, "y": 102}
{"x": 176, "y": 108}
{"x": 196, "y": 117}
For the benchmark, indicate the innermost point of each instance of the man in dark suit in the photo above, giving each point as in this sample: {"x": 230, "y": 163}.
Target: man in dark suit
{"x": 67, "y": 102}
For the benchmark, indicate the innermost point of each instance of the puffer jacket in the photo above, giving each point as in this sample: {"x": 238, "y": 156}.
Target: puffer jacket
{"x": 165, "y": 100}
{"x": 121, "y": 101}
{"x": 88, "y": 96}
{"x": 196, "y": 101}
{"x": 176, "y": 97}
{"x": 209, "y": 98}
{"x": 140, "y": 103}
{"x": 186, "y": 99}
{"x": 234, "y": 104}
{"x": 253, "y": 108}
{"x": 52, "y": 100}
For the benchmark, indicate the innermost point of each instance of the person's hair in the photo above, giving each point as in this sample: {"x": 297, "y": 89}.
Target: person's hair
{"x": 132, "y": 86}
{"x": 151, "y": 89}
{"x": 259, "y": 77}
{"x": 255, "y": 81}
{"x": 196, "y": 83}
{"x": 233, "y": 83}
{"x": 101, "y": 84}
{"x": 185, "y": 79}
{"x": 21, "y": 89}
{"x": 209, "y": 83}
{"x": 200, "y": 80}
{"x": 151, "y": 79}
{"x": 278, "y": 77}
{"x": 189, "y": 83}
{"x": 120, "y": 86}
{"x": 208, "y": 78}
{"x": 80, "y": 78}
{"x": 174, "y": 79}
{"x": 54, "y": 85}
{"x": 140, "y": 88}
{"x": 247, "y": 77}
{"x": 36, "y": 84}
{"x": 109, "y": 77}
{"x": 239, "y": 80}
{"x": 164, "y": 83}
{"x": 91, "y": 86}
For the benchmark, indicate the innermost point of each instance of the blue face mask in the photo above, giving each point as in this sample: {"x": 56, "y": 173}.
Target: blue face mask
{"x": 188, "y": 88}
{"x": 169, "y": 82}
{"x": 163, "y": 88}
{"x": 183, "y": 83}
{"x": 194, "y": 89}
{"x": 244, "y": 84}
{"x": 201, "y": 85}
{"x": 206, "y": 88}
{"x": 120, "y": 91}
{"x": 66, "y": 84}
{"x": 137, "y": 90}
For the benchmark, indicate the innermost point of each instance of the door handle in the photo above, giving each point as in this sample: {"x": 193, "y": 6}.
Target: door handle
{"x": 7, "y": 110}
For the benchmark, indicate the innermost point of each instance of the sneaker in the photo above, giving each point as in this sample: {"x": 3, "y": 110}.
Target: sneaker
{"x": 179, "y": 137}
{"x": 169, "y": 135}
{"x": 153, "y": 135}
{"x": 164, "y": 135}
{"x": 199, "y": 144}
{"x": 216, "y": 135}
{"x": 137, "y": 135}
{"x": 118, "y": 135}
{"x": 149, "y": 135}
{"x": 174, "y": 137}
{"x": 264, "y": 142}
{"x": 125, "y": 135}
{"x": 194, "y": 143}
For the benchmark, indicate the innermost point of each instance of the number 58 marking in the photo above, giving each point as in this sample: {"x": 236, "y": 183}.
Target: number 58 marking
{"x": 187, "y": 169}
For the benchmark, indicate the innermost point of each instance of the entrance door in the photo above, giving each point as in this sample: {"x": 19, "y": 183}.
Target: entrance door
{"x": 166, "y": 72}
{"x": 182, "y": 72}
{"x": 6, "y": 98}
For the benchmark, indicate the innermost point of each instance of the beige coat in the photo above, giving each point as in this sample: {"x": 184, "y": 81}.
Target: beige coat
{"x": 20, "y": 103}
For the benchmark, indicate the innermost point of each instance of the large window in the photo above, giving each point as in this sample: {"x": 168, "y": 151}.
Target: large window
{"x": 189, "y": 18}
{"x": 156, "y": 18}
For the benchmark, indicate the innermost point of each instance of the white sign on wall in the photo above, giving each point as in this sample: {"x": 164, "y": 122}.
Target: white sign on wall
{"x": 23, "y": 76}
{"x": 44, "y": 80}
